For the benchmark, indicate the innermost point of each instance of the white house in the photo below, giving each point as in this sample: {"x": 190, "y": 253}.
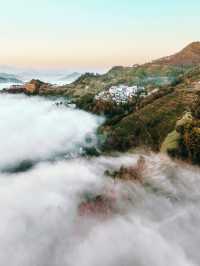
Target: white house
{"x": 120, "y": 93}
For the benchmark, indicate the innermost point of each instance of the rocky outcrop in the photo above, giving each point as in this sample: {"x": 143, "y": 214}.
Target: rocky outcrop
{"x": 34, "y": 86}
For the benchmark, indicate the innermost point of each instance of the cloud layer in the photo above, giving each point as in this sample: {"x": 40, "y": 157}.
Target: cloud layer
{"x": 155, "y": 223}
{"x": 36, "y": 129}
{"x": 40, "y": 224}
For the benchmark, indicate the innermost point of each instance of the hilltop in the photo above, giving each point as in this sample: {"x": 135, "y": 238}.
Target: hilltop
{"x": 190, "y": 55}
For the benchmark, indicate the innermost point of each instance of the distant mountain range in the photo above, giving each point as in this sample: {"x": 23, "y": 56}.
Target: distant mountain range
{"x": 71, "y": 76}
{"x": 9, "y": 78}
{"x": 6, "y": 77}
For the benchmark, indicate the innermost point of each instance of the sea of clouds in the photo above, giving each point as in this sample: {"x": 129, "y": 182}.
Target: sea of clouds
{"x": 33, "y": 128}
{"x": 40, "y": 222}
{"x": 156, "y": 223}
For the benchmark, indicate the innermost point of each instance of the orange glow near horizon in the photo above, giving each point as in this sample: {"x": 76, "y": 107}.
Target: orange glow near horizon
{"x": 97, "y": 55}
{"x": 94, "y": 34}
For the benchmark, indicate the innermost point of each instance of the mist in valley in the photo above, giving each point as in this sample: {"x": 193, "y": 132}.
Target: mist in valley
{"x": 153, "y": 223}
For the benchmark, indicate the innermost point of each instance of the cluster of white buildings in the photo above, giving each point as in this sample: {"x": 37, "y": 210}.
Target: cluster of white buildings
{"x": 121, "y": 93}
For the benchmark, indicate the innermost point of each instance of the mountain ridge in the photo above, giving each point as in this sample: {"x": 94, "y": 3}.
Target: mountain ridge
{"x": 5, "y": 77}
{"x": 73, "y": 75}
{"x": 189, "y": 55}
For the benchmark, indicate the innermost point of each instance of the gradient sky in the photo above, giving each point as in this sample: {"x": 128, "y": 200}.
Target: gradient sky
{"x": 94, "y": 33}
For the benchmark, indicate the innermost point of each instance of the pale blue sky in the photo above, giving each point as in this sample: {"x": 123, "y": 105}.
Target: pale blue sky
{"x": 94, "y": 33}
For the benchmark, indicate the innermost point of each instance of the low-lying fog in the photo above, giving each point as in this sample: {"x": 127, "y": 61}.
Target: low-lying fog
{"x": 32, "y": 128}
{"x": 155, "y": 223}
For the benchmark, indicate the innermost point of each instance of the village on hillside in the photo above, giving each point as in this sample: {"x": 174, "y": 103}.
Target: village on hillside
{"x": 121, "y": 93}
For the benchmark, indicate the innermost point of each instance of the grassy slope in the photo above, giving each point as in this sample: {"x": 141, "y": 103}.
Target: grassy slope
{"x": 150, "y": 125}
